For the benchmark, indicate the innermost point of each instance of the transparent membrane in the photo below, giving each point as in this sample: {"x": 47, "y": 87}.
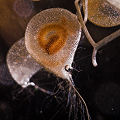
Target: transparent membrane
{"x": 52, "y": 37}
{"x": 21, "y": 65}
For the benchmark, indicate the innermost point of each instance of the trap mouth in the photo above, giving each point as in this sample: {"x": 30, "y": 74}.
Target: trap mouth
{"x": 105, "y": 13}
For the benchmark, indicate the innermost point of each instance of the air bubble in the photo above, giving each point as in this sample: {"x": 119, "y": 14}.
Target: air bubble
{"x": 23, "y": 8}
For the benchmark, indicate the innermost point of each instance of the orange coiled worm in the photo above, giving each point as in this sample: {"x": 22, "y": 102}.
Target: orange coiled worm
{"x": 52, "y": 37}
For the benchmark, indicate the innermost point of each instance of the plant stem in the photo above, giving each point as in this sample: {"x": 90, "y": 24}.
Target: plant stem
{"x": 101, "y": 43}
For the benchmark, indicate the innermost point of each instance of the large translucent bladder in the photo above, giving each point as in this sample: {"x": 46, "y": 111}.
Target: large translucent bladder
{"x": 52, "y": 37}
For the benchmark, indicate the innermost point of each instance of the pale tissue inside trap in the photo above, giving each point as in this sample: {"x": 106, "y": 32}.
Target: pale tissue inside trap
{"x": 21, "y": 65}
{"x": 58, "y": 59}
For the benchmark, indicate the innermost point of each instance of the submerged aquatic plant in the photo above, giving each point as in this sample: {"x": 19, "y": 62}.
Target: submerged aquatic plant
{"x": 51, "y": 38}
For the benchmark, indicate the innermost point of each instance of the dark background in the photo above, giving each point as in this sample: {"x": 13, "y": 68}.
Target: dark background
{"x": 100, "y": 86}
